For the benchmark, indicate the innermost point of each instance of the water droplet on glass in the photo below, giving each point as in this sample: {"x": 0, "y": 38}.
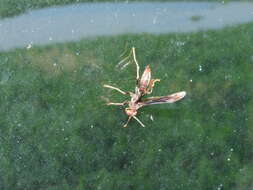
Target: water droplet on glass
{"x": 154, "y": 20}
{"x": 220, "y": 187}
{"x": 29, "y": 46}
{"x": 200, "y": 68}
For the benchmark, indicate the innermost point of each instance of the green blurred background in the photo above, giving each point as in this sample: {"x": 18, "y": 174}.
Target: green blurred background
{"x": 57, "y": 133}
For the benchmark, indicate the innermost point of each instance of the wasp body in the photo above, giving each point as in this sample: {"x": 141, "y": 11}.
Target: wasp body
{"x": 144, "y": 86}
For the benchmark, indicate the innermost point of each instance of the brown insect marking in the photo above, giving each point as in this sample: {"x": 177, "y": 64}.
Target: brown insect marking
{"x": 145, "y": 79}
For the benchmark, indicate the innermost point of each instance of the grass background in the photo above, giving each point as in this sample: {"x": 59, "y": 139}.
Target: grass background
{"x": 15, "y": 7}
{"x": 56, "y": 132}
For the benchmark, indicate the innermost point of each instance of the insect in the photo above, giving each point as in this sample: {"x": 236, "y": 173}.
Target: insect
{"x": 144, "y": 86}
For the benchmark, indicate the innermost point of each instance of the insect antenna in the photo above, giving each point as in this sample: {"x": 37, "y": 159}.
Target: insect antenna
{"x": 128, "y": 58}
{"x": 125, "y": 51}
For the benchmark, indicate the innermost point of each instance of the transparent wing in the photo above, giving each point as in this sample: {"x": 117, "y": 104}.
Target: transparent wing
{"x": 164, "y": 99}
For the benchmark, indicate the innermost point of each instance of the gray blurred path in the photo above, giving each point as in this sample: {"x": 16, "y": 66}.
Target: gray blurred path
{"x": 72, "y": 22}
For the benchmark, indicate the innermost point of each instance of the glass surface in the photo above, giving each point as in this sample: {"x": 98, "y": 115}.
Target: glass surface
{"x": 56, "y": 129}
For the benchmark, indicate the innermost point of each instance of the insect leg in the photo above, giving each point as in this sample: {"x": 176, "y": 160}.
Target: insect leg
{"x": 115, "y": 88}
{"x": 116, "y": 104}
{"x": 139, "y": 121}
{"x": 129, "y": 118}
{"x": 151, "y": 85}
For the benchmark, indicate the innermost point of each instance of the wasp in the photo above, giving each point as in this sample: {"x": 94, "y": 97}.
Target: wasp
{"x": 144, "y": 86}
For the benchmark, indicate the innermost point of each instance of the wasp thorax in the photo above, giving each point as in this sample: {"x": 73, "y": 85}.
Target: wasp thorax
{"x": 130, "y": 112}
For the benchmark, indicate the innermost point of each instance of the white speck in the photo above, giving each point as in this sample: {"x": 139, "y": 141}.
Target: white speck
{"x": 231, "y": 149}
{"x": 72, "y": 31}
{"x": 227, "y": 77}
{"x": 55, "y": 64}
{"x": 190, "y": 80}
{"x": 65, "y": 154}
{"x": 220, "y": 20}
{"x": 228, "y": 159}
{"x": 91, "y": 126}
{"x": 159, "y": 150}
{"x": 67, "y": 121}
{"x": 50, "y": 38}
{"x": 62, "y": 129}
{"x": 212, "y": 153}
{"x": 29, "y": 46}
{"x": 19, "y": 125}
{"x": 66, "y": 138}
{"x": 220, "y": 187}
{"x": 154, "y": 20}
{"x": 200, "y": 68}
{"x": 77, "y": 53}
{"x": 180, "y": 43}
{"x": 151, "y": 118}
